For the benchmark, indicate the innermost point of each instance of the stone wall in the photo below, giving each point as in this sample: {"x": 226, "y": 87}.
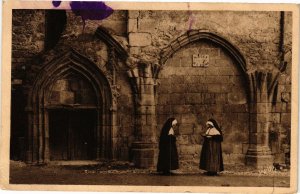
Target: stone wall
{"x": 28, "y": 35}
{"x": 194, "y": 94}
{"x": 256, "y": 34}
{"x": 281, "y": 112}
{"x": 29, "y": 56}
{"x": 191, "y": 94}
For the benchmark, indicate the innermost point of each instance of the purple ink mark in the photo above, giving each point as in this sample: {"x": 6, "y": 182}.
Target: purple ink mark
{"x": 91, "y": 10}
{"x": 56, "y": 3}
{"x": 191, "y": 18}
{"x": 88, "y": 10}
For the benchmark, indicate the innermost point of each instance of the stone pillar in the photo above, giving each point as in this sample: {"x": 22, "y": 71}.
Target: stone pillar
{"x": 262, "y": 87}
{"x": 143, "y": 81}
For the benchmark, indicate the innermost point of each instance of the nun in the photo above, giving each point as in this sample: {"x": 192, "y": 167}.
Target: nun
{"x": 168, "y": 155}
{"x": 211, "y": 159}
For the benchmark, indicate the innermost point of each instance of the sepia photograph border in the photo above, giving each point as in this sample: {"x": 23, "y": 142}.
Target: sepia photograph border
{"x": 8, "y": 6}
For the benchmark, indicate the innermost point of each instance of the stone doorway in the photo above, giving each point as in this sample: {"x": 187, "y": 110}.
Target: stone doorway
{"x": 69, "y": 107}
{"x": 72, "y": 134}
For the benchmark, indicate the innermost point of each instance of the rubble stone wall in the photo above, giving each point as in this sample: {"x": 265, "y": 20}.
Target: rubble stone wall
{"x": 28, "y": 35}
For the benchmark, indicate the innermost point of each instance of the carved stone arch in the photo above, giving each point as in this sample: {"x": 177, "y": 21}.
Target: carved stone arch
{"x": 38, "y": 105}
{"x": 196, "y": 35}
{"x": 104, "y": 35}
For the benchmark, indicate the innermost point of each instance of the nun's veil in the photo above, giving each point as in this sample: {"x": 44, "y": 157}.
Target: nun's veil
{"x": 216, "y": 125}
{"x": 167, "y": 126}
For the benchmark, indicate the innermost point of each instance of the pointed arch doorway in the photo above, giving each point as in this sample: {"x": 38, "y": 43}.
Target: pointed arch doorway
{"x": 69, "y": 112}
{"x": 72, "y": 110}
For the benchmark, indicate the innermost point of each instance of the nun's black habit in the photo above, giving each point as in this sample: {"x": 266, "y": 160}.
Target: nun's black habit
{"x": 211, "y": 158}
{"x": 168, "y": 156}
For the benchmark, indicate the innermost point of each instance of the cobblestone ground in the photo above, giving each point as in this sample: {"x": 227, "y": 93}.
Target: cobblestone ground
{"x": 123, "y": 173}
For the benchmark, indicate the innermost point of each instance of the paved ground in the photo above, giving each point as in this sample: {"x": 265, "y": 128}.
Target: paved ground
{"x": 127, "y": 175}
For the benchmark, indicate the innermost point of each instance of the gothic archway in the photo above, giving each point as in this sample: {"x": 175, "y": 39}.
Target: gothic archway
{"x": 193, "y": 94}
{"x": 197, "y": 35}
{"x": 69, "y": 66}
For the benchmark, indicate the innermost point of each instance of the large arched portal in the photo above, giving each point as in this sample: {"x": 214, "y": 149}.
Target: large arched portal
{"x": 72, "y": 113}
{"x": 69, "y": 112}
{"x": 203, "y": 76}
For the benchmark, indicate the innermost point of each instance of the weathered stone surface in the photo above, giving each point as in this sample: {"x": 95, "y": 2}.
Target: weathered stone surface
{"x": 190, "y": 94}
{"x": 133, "y": 14}
{"x": 188, "y": 149}
{"x": 132, "y": 25}
{"x": 140, "y": 39}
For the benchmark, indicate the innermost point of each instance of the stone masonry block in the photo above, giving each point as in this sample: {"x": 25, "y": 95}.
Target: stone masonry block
{"x": 259, "y": 108}
{"x": 186, "y": 61}
{"x": 226, "y": 88}
{"x": 259, "y": 117}
{"x": 237, "y": 149}
{"x": 237, "y": 98}
{"x": 227, "y": 148}
{"x": 213, "y": 71}
{"x": 140, "y": 39}
{"x": 193, "y": 98}
{"x": 133, "y": 14}
{"x": 147, "y": 89}
{"x": 163, "y": 99}
{"x": 164, "y": 89}
{"x": 177, "y": 79}
{"x": 146, "y": 109}
{"x": 226, "y": 71}
{"x": 214, "y": 88}
{"x": 181, "y": 109}
{"x": 147, "y": 25}
{"x": 186, "y": 129}
{"x": 188, "y": 149}
{"x": 164, "y": 109}
{"x": 243, "y": 117}
{"x": 188, "y": 118}
{"x": 174, "y": 61}
{"x": 61, "y": 85}
{"x": 148, "y": 99}
{"x": 196, "y": 88}
{"x": 135, "y": 50}
{"x": 288, "y": 107}
{"x": 237, "y": 108}
{"x": 183, "y": 139}
{"x": 286, "y": 119}
{"x": 178, "y": 88}
{"x": 177, "y": 99}
{"x": 222, "y": 98}
{"x": 196, "y": 139}
{"x": 67, "y": 97}
{"x": 191, "y": 79}
{"x": 275, "y": 117}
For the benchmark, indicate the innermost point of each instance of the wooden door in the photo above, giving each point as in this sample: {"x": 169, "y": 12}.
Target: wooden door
{"x": 72, "y": 134}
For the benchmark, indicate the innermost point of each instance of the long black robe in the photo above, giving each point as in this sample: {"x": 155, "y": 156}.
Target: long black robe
{"x": 211, "y": 155}
{"x": 168, "y": 155}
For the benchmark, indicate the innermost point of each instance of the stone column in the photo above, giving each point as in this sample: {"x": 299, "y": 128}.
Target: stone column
{"x": 143, "y": 82}
{"x": 262, "y": 87}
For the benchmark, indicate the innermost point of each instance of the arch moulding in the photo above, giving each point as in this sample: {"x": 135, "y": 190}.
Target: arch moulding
{"x": 260, "y": 89}
{"x": 196, "y": 35}
{"x": 38, "y": 104}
